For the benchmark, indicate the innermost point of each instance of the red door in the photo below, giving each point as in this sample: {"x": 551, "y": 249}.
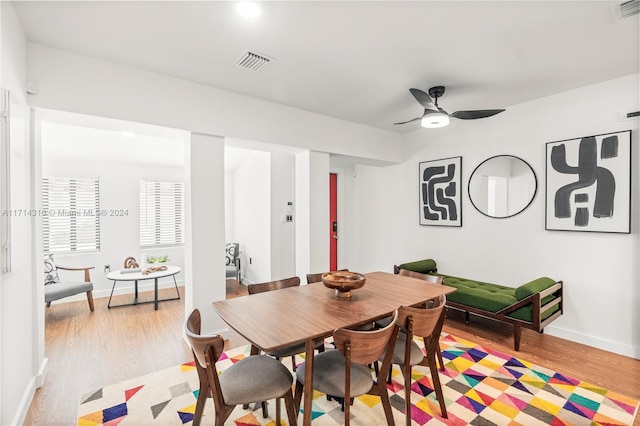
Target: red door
{"x": 333, "y": 222}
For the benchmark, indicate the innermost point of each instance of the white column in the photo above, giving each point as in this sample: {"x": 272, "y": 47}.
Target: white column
{"x": 204, "y": 210}
{"x": 312, "y": 213}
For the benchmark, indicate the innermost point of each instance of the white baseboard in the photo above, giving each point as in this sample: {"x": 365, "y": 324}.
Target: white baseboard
{"x": 606, "y": 345}
{"x": 25, "y": 402}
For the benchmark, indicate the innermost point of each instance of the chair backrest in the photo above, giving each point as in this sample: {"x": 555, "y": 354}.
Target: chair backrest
{"x": 200, "y": 344}
{"x": 366, "y": 347}
{"x": 316, "y": 278}
{"x": 273, "y": 285}
{"x": 422, "y": 322}
{"x": 437, "y": 279}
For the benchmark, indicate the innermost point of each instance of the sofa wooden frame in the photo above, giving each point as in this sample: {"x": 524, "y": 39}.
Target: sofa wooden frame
{"x": 537, "y": 310}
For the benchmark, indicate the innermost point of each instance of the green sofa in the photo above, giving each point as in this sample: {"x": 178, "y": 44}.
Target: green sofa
{"x": 532, "y": 305}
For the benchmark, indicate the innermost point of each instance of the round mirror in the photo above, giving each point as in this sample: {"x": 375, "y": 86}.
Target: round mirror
{"x": 502, "y": 186}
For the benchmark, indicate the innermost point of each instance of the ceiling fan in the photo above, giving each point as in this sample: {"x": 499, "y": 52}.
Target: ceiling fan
{"x": 434, "y": 116}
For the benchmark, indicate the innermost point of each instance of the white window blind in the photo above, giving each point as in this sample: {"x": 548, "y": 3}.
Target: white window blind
{"x": 71, "y": 214}
{"x": 161, "y": 213}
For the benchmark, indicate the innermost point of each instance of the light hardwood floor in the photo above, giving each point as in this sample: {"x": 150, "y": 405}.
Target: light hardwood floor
{"x": 89, "y": 350}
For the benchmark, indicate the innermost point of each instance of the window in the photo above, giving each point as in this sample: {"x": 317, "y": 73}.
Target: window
{"x": 161, "y": 214}
{"x": 71, "y": 214}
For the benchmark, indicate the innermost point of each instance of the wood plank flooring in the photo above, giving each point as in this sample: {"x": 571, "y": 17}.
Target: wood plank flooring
{"x": 89, "y": 350}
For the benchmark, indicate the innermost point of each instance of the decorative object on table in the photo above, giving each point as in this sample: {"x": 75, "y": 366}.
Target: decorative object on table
{"x": 589, "y": 184}
{"x": 440, "y": 200}
{"x": 502, "y": 186}
{"x": 157, "y": 259}
{"x": 480, "y": 383}
{"x": 343, "y": 282}
{"x": 130, "y": 265}
{"x": 147, "y": 271}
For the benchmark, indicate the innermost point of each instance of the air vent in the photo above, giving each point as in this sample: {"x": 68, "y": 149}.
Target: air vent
{"x": 253, "y": 61}
{"x": 627, "y": 8}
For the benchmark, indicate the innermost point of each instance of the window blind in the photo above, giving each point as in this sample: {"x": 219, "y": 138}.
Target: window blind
{"x": 71, "y": 214}
{"x": 161, "y": 213}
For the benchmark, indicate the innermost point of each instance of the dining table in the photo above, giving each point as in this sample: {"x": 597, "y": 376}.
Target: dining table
{"x": 275, "y": 319}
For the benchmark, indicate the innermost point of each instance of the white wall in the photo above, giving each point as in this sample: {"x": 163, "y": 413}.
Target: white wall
{"x": 282, "y": 233}
{"x": 119, "y": 190}
{"x": 252, "y": 215}
{"x": 77, "y": 83}
{"x": 600, "y": 271}
{"x": 20, "y": 351}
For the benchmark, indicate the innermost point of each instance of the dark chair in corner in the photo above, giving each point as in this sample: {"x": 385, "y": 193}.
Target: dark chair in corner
{"x": 292, "y": 350}
{"x": 232, "y": 258}
{"x": 345, "y": 373}
{"x": 55, "y": 289}
{"x": 427, "y": 324}
{"x": 256, "y": 378}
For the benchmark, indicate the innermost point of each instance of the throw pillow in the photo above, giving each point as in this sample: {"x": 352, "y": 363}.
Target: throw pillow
{"x": 230, "y": 253}
{"x": 50, "y": 270}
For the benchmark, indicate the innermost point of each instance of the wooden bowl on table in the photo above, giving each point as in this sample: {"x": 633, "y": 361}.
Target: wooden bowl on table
{"x": 343, "y": 282}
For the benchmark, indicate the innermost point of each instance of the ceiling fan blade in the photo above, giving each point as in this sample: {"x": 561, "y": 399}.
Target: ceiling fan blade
{"x": 424, "y": 99}
{"x": 472, "y": 115}
{"x": 413, "y": 119}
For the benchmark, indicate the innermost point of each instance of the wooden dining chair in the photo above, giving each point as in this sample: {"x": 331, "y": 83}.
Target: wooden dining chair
{"x": 316, "y": 278}
{"x": 344, "y": 373}
{"x": 256, "y": 378}
{"x": 436, "y": 279}
{"x": 291, "y": 350}
{"x": 425, "y": 323}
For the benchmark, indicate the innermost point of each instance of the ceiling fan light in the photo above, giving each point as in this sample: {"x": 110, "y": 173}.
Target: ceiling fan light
{"x": 435, "y": 120}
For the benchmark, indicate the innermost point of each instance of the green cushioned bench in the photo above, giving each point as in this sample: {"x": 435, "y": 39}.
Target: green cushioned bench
{"x": 532, "y": 305}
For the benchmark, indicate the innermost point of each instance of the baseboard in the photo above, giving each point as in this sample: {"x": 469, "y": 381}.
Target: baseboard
{"x": 42, "y": 374}
{"x": 606, "y": 345}
{"x": 25, "y": 402}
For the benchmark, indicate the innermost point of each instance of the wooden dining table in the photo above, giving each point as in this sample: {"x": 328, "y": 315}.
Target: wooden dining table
{"x": 275, "y": 319}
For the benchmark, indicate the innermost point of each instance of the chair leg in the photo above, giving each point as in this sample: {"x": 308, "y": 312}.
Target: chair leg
{"x": 278, "y": 416}
{"x": 436, "y": 383}
{"x": 265, "y": 410}
{"x": 293, "y": 363}
{"x": 202, "y": 399}
{"x": 440, "y": 359}
{"x": 48, "y": 304}
{"x": 290, "y": 406}
{"x": 90, "y": 300}
{"x": 386, "y": 403}
{"x": 297, "y": 399}
{"x": 407, "y": 392}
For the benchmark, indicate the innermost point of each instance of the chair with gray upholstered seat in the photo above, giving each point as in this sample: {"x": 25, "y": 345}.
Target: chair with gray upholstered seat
{"x": 56, "y": 289}
{"x": 425, "y": 323}
{"x": 256, "y": 378}
{"x": 344, "y": 373}
{"x": 291, "y": 350}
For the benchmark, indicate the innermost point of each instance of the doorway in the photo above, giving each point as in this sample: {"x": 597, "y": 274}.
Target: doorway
{"x": 333, "y": 221}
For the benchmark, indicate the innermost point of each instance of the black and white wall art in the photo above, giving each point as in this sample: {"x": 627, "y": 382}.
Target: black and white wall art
{"x": 588, "y": 184}
{"x": 440, "y": 199}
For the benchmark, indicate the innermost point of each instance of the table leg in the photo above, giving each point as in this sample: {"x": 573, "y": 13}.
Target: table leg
{"x": 155, "y": 294}
{"x": 308, "y": 382}
{"x": 135, "y": 297}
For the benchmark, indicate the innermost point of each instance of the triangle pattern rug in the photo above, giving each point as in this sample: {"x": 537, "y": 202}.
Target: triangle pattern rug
{"x": 481, "y": 387}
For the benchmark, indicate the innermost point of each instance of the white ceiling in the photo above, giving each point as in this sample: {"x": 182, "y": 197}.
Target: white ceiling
{"x": 356, "y": 60}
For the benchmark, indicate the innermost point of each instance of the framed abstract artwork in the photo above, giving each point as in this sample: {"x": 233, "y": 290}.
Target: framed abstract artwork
{"x": 440, "y": 199}
{"x": 588, "y": 185}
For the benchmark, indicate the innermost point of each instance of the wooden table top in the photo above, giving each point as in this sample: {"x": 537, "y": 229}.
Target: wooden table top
{"x": 280, "y": 318}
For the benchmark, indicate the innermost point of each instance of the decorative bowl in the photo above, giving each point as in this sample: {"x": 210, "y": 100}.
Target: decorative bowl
{"x": 343, "y": 282}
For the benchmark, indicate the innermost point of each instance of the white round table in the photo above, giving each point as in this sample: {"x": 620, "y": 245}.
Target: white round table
{"x": 116, "y": 276}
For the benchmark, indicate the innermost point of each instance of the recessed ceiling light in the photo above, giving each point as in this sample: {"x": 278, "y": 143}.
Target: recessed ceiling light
{"x": 248, "y": 9}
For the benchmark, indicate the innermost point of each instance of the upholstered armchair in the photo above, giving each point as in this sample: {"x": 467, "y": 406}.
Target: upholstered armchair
{"x": 56, "y": 289}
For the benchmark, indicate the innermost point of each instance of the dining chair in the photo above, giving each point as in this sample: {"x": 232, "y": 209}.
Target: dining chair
{"x": 291, "y": 350}
{"x": 344, "y": 373}
{"x": 256, "y": 378}
{"x": 436, "y": 279}
{"x": 316, "y": 278}
{"x": 425, "y": 323}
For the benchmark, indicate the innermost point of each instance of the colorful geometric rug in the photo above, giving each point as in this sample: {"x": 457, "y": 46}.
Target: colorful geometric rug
{"x": 481, "y": 387}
